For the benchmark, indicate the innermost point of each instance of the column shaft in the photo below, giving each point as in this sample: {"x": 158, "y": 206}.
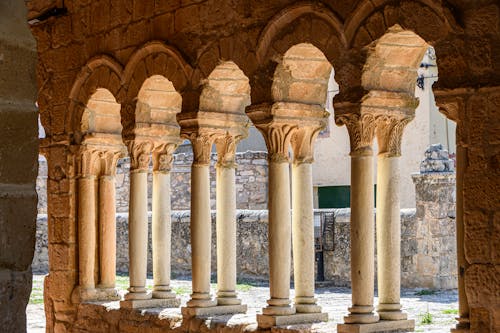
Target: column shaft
{"x": 107, "y": 222}
{"x": 162, "y": 235}
{"x": 279, "y": 240}
{"x": 226, "y": 236}
{"x": 138, "y": 235}
{"x": 87, "y": 231}
{"x": 389, "y": 238}
{"x": 362, "y": 241}
{"x": 303, "y": 237}
{"x": 201, "y": 236}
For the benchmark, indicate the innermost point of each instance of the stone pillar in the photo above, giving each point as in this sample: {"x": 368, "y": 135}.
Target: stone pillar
{"x": 361, "y": 131}
{"x": 87, "y": 222}
{"x": 226, "y": 221}
{"x": 303, "y": 219}
{"x": 277, "y": 137}
{"x": 201, "y": 228}
{"x": 162, "y": 226}
{"x": 107, "y": 221}
{"x": 389, "y": 134}
{"x": 138, "y": 220}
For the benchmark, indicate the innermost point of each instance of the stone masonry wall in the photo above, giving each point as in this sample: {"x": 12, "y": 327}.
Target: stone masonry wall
{"x": 251, "y": 182}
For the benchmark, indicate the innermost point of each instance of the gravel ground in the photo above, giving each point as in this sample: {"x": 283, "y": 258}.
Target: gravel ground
{"x": 433, "y": 311}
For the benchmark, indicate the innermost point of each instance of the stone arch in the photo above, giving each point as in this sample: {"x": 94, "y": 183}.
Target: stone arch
{"x": 226, "y": 89}
{"x": 302, "y": 76}
{"x": 100, "y": 72}
{"x": 305, "y": 22}
{"x": 154, "y": 58}
{"x": 369, "y": 21}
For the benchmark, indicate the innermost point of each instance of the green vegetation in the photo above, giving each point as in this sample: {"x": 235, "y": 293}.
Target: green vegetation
{"x": 426, "y": 318}
{"x": 243, "y": 287}
{"x": 425, "y": 292}
{"x": 36, "y": 296}
{"x": 450, "y": 311}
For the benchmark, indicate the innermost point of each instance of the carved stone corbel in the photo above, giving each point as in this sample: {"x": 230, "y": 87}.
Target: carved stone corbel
{"x": 277, "y": 137}
{"x": 361, "y": 129}
{"x": 163, "y": 157}
{"x": 389, "y": 130}
{"x": 302, "y": 143}
{"x": 202, "y": 146}
{"x": 226, "y": 150}
{"x": 89, "y": 159}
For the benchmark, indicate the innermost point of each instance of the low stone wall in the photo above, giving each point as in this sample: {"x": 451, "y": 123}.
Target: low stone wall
{"x": 422, "y": 255}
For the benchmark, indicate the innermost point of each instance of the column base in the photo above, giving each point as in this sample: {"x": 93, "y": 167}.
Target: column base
{"x": 306, "y": 305}
{"x": 361, "y": 314}
{"x": 216, "y": 310}
{"x": 267, "y": 321}
{"x": 381, "y": 326}
{"x": 162, "y": 294}
{"x": 227, "y": 298}
{"x": 201, "y": 300}
{"x": 463, "y": 326}
{"x": 150, "y": 303}
{"x": 391, "y": 312}
{"x": 97, "y": 294}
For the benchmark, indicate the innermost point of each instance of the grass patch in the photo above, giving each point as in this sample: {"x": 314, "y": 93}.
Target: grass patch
{"x": 425, "y": 292}
{"x": 181, "y": 290}
{"x": 426, "y": 318}
{"x": 243, "y": 287}
{"x": 450, "y": 311}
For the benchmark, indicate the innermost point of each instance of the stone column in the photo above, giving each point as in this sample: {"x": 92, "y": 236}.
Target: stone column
{"x": 303, "y": 219}
{"x": 277, "y": 137}
{"x": 87, "y": 222}
{"x": 162, "y": 227}
{"x": 138, "y": 220}
{"x": 107, "y": 221}
{"x": 201, "y": 228}
{"x": 389, "y": 133}
{"x": 361, "y": 131}
{"x": 226, "y": 221}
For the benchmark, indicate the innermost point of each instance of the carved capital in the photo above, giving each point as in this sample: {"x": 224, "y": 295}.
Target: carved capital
{"x": 361, "y": 129}
{"x": 202, "y": 147}
{"x": 389, "y": 130}
{"x": 226, "y": 150}
{"x": 109, "y": 160}
{"x": 277, "y": 137}
{"x": 302, "y": 142}
{"x": 88, "y": 161}
{"x": 140, "y": 151}
{"x": 163, "y": 157}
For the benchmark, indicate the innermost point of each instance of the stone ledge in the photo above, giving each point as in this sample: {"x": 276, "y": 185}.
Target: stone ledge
{"x": 381, "y": 326}
{"x": 267, "y": 321}
{"x": 151, "y": 303}
{"x": 213, "y": 310}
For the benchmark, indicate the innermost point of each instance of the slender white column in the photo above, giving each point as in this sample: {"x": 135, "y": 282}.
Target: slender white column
{"x": 362, "y": 240}
{"x": 279, "y": 239}
{"x": 107, "y": 223}
{"x": 87, "y": 231}
{"x": 389, "y": 238}
{"x": 161, "y": 234}
{"x": 201, "y": 224}
{"x": 303, "y": 238}
{"x": 226, "y": 235}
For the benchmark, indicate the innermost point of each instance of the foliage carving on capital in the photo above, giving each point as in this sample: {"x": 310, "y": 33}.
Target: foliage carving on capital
{"x": 389, "y": 129}
{"x": 226, "y": 150}
{"x": 89, "y": 158}
{"x": 163, "y": 157}
{"x": 277, "y": 137}
{"x": 202, "y": 147}
{"x": 302, "y": 142}
{"x": 109, "y": 160}
{"x": 361, "y": 129}
{"x": 140, "y": 152}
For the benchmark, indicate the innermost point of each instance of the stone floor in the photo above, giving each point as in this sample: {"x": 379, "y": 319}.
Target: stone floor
{"x": 441, "y": 305}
